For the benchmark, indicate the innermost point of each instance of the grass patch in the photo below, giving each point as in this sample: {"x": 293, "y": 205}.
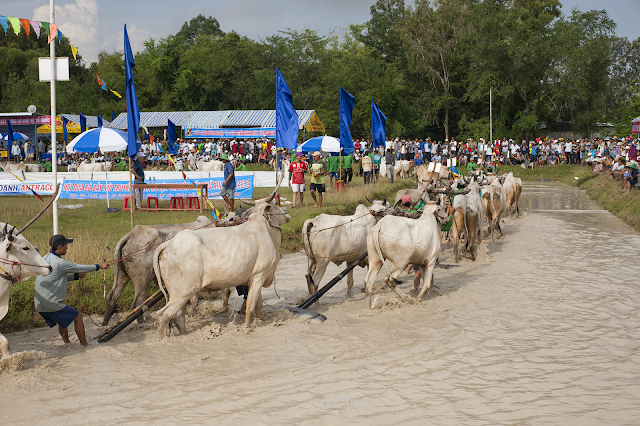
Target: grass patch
{"x": 92, "y": 228}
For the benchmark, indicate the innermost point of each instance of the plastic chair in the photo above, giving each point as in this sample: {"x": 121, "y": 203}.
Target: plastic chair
{"x": 193, "y": 203}
{"x": 149, "y": 199}
{"x": 177, "y": 203}
{"x": 125, "y": 203}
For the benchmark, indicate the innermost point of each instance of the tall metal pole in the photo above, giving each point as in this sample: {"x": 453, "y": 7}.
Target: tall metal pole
{"x": 54, "y": 153}
{"x": 491, "y": 115}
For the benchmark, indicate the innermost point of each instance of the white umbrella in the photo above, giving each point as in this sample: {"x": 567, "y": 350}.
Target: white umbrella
{"x": 103, "y": 138}
{"x": 325, "y": 144}
{"x": 16, "y": 136}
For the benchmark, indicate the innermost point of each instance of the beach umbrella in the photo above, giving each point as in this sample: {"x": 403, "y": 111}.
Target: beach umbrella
{"x": 16, "y": 136}
{"x": 103, "y": 138}
{"x": 325, "y": 144}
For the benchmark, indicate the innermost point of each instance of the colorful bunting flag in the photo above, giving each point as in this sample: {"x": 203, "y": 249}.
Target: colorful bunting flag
{"x": 36, "y": 27}
{"x": 53, "y": 32}
{"x": 116, "y": 93}
{"x": 26, "y": 26}
{"x": 100, "y": 82}
{"x": 15, "y": 23}
{"x": 45, "y": 25}
{"x": 74, "y": 50}
{"x": 4, "y": 21}
{"x": 59, "y": 36}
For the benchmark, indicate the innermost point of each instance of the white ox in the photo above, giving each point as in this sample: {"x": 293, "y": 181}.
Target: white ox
{"x": 210, "y": 166}
{"x": 21, "y": 167}
{"x": 400, "y": 168}
{"x": 494, "y": 202}
{"x": 468, "y": 217}
{"x": 424, "y": 175}
{"x": 332, "y": 238}
{"x": 405, "y": 241}
{"x": 137, "y": 248}
{"x": 87, "y": 166}
{"x": 220, "y": 258}
{"x": 21, "y": 261}
{"x": 512, "y": 187}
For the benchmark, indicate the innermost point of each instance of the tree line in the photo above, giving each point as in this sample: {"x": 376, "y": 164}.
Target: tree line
{"x": 430, "y": 68}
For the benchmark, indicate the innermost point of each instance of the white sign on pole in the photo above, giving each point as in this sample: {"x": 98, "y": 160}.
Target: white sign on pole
{"x": 438, "y": 166}
{"x": 62, "y": 69}
{"x": 430, "y": 168}
{"x": 448, "y": 162}
{"x": 454, "y": 161}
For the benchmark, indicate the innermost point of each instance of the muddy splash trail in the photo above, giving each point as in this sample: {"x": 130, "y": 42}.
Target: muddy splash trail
{"x": 540, "y": 330}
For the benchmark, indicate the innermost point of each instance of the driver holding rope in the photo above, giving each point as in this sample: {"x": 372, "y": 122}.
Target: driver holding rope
{"x": 50, "y": 291}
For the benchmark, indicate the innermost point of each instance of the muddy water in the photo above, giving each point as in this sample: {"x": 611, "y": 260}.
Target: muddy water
{"x": 541, "y": 330}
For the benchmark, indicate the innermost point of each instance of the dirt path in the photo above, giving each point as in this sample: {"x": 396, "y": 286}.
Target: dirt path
{"x": 541, "y": 330}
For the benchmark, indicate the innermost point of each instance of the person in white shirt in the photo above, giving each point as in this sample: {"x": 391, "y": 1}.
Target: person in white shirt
{"x": 15, "y": 151}
{"x": 567, "y": 151}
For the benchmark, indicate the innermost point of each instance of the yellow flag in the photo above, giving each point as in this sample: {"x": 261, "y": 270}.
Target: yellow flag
{"x": 74, "y": 50}
{"x": 116, "y": 93}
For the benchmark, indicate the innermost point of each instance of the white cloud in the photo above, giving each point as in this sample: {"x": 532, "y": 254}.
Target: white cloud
{"x": 79, "y": 22}
{"x": 92, "y": 31}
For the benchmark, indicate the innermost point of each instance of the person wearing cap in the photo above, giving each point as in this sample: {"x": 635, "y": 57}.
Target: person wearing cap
{"x": 318, "y": 170}
{"x": 191, "y": 159}
{"x": 138, "y": 172}
{"x": 296, "y": 177}
{"x": 50, "y": 291}
{"x": 228, "y": 190}
{"x": 631, "y": 177}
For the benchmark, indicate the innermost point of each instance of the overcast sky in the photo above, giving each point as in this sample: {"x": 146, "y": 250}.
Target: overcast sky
{"x": 93, "y": 26}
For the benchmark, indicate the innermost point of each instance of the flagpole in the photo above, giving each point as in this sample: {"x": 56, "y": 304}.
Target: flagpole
{"x": 133, "y": 201}
{"x": 54, "y": 150}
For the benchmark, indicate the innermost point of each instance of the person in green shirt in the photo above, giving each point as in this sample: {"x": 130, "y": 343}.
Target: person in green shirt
{"x": 241, "y": 167}
{"x": 347, "y": 170}
{"x": 46, "y": 166}
{"x": 123, "y": 166}
{"x": 318, "y": 170}
{"x": 333, "y": 169}
{"x": 472, "y": 166}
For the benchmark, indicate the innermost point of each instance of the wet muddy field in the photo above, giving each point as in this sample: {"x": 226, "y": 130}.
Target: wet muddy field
{"x": 540, "y": 330}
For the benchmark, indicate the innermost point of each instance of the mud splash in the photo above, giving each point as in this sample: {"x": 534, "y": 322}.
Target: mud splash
{"x": 541, "y": 330}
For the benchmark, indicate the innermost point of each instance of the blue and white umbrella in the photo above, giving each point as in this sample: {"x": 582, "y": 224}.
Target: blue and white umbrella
{"x": 325, "y": 144}
{"x": 103, "y": 138}
{"x": 16, "y": 136}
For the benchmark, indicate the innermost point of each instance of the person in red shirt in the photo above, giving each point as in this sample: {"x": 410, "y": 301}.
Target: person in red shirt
{"x": 296, "y": 177}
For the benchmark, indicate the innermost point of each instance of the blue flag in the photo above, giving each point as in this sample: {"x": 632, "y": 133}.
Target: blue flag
{"x": 378, "y": 125}
{"x": 99, "y": 121}
{"x": 113, "y": 116}
{"x": 286, "y": 116}
{"x": 10, "y": 137}
{"x": 65, "y": 133}
{"x": 172, "y": 137}
{"x": 83, "y": 123}
{"x": 133, "y": 112}
{"x": 346, "y": 109}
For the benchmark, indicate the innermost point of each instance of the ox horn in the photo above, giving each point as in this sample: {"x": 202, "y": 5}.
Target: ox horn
{"x": 368, "y": 199}
{"x": 39, "y": 214}
{"x": 249, "y": 202}
{"x": 384, "y": 201}
{"x": 275, "y": 191}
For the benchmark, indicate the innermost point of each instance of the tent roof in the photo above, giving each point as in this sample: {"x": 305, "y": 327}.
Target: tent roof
{"x": 154, "y": 119}
{"x": 92, "y": 120}
{"x": 265, "y": 118}
{"x": 636, "y": 120}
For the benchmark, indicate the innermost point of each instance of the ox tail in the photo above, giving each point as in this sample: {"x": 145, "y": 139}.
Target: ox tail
{"x": 464, "y": 212}
{"x": 156, "y": 267}
{"x": 306, "y": 231}
{"x": 376, "y": 243}
{"x": 117, "y": 254}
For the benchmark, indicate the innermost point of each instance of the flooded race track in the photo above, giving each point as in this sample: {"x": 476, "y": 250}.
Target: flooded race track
{"x": 540, "y": 330}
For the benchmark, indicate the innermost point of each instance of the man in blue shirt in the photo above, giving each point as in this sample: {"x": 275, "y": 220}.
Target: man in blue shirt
{"x": 138, "y": 172}
{"x": 50, "y": 291}
{"x": 228, "y": 190}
